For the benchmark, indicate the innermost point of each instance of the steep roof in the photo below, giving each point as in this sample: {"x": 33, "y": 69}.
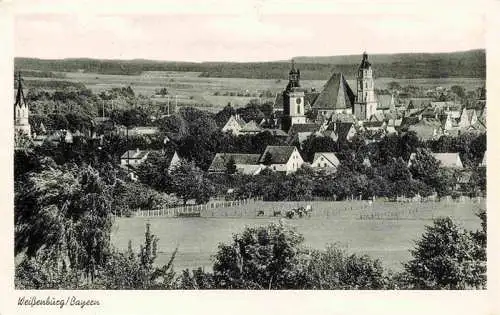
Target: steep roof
{"x": 329, "y": 156}
{"x": 279, "y": 154}
{"x": 20, "y": 99}
{"x": 448, "y": 159}
{"x": 251, "y": 126}
{"x": 336, "y": 94}
{"x": 219, "y": 163}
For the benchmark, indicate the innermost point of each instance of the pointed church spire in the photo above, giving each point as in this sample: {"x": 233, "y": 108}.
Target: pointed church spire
{"x": 20, "y": 94}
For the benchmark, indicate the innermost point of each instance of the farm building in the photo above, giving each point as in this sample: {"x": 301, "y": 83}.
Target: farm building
{"x": 282, "y": 158}
{"x": 245, "y": 163}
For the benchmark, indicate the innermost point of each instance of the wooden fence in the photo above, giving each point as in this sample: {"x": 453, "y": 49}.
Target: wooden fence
{"x": 195, "y": 210}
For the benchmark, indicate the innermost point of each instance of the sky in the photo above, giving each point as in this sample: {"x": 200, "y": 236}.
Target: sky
{"x": 248, "y": 30}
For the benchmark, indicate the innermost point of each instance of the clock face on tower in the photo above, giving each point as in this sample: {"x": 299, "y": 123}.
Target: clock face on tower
{"x": 298, "y": 101}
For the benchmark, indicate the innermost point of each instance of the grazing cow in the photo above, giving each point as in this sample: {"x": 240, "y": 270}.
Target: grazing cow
{"x": 277, "y": 213}
{"x": 260, "y": 213}
{"x": 290, "y": 214}
{"x": 308, "y": 210}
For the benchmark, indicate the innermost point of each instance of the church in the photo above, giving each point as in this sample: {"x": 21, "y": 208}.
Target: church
{"x": 21, "y": 111}
{"x": 336, "y": 97}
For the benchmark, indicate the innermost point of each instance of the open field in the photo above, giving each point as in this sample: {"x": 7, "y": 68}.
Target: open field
{"x": 386, "y": 236}
{"x": 192, "y": 89}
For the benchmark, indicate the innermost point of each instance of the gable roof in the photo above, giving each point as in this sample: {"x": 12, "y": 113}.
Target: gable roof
{"x": 235, "y": 118}
{"x": 280, "y": 154}
{"x": 329, "y": 156}
{"x": 219, "y": 163}
{"x": 448, "y": 159}
{"x": 336, "y": 94}
{"x": 251, "y": 126}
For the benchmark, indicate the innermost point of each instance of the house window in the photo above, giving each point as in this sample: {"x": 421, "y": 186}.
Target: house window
{"x": 298, "y": 109}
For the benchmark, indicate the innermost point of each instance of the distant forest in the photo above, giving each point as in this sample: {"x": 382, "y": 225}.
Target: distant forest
{"x": 470, "y": 64}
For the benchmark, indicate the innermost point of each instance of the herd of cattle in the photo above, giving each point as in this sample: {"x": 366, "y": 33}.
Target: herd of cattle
{"x": 290, "y": 214}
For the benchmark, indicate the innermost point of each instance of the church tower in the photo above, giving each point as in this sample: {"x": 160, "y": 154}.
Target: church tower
{"x": 293, "y": 101}
{"x": 21, "y": 111}
{"x": 366, "y": 104}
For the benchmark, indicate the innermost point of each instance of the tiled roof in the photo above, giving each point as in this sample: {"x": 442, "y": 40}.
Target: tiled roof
{"x": 279, "y": 154}
{"x": 251, "y": 126}
{"x": 336, "y": 94}
{"x": 219, "y": 163}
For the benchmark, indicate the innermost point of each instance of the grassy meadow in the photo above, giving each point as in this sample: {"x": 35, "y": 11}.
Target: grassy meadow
{"x": 191, "y": 89}
{"x": 385, "y": 230}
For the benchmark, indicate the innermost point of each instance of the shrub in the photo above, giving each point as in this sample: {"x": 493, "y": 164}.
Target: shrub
{"x": 447, "y": 257}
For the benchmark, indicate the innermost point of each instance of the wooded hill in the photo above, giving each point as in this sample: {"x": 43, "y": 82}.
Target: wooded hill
{"x": 470, "y": 64}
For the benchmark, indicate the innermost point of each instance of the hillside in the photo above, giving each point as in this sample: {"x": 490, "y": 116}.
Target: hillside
{"x": 470, "y": 64}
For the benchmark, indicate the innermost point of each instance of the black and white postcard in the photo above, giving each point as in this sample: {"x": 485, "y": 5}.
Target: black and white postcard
{"x": 270, "y": 155}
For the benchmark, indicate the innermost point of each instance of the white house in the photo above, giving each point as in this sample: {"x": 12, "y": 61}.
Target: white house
{"x": 282, "y": 158}
{"x": 325, "y": 161}
{"x": 234, "y": 125}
